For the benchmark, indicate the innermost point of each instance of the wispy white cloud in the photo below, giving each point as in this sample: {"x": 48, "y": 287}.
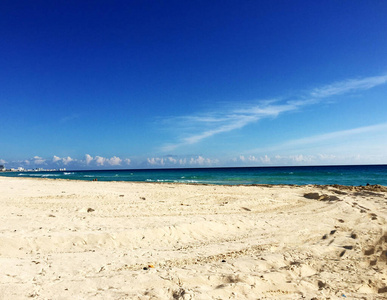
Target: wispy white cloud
{"x": 224, "y": 121}
{"x": 233, "y": 122}
{"x": 195, "y": 128}
{"x": 339, "y": 136}
{"x": 350, "y": 85}
{"x": 69, "y": 118}
{"x": 2, "y": 161}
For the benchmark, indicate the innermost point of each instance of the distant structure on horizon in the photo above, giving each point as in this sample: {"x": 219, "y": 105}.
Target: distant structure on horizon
{"x": 21, "y": 169}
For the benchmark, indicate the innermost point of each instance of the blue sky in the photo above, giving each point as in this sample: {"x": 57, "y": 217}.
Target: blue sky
{"x": 143, "y": 84}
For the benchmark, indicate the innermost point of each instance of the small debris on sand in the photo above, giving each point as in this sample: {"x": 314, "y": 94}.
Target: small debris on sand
{"x": 246, "y": 209}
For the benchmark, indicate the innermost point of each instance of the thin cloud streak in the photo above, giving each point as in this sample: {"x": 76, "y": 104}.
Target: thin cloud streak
{"x": 239, "y": 122}
{"x": 207, "y": 125}
{"x": 342, "y": 134}
{"x": 348, "y": 86}
{"x": 338, "y": 134}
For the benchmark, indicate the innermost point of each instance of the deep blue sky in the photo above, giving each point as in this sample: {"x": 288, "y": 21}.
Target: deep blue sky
{"x": 192, "y": 83}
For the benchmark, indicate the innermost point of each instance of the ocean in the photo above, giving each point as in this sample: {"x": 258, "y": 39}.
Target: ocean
{"x": 323, "y": 175}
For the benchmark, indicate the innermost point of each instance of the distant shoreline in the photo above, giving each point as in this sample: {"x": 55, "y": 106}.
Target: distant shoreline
{"x": 197, "y": 168}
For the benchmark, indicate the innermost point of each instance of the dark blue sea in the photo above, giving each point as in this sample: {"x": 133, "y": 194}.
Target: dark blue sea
{"x": 324, "y": 175}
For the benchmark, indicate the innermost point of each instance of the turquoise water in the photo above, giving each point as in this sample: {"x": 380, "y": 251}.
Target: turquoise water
{"x": 344, "y": 175}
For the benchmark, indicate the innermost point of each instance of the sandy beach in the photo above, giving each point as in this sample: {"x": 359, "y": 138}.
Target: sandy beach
{"x": 64, "y": 239}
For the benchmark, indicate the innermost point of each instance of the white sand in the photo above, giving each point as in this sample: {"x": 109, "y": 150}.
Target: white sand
{"x": 91, "y": 240}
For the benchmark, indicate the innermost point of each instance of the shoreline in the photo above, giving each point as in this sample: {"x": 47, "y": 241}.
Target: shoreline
{"x": 139, "y": 240}
{"x": 369, "y": 187}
